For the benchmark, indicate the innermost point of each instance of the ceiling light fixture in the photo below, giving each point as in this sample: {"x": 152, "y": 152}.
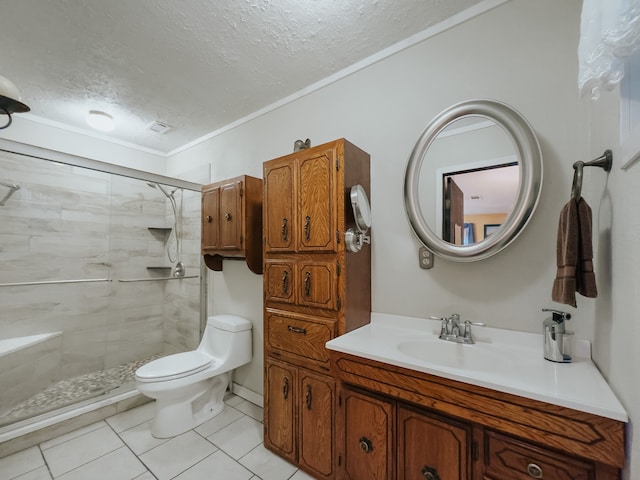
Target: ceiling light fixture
{"x": 10, "y": 100}
{"x": 101, "y": 121}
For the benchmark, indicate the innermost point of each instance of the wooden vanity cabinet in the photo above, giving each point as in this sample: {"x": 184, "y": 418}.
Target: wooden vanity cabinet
{"x": 313, "y": 291}
{"x": 445, "y": 429}
{"x": 232, "y": 222}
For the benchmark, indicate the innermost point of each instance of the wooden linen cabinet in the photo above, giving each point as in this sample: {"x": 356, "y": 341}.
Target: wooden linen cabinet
{"x": 313, "y": 291}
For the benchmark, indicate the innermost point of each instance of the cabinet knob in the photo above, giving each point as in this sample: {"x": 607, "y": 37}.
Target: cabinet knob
{"x": 366, "y": 445}
{"x": 430, "y": 473}
{"x": 208, "y": 218}
{"x": 534, "y": 470}
{"x": 227, "y": 217}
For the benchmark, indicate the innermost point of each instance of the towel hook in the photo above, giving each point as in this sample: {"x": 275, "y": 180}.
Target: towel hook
{"x": 605, "y": 161}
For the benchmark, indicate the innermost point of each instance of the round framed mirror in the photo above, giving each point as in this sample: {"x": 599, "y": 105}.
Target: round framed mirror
{"x": 473, "y": 180}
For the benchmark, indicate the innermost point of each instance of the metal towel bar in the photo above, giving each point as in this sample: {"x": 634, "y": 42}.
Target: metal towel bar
{"x": 605, "y": 161}
{"x": 156, "y": 278}
{"x": 54, "y": 282}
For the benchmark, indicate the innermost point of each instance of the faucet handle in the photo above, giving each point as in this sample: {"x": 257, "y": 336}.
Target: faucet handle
{"x": 443, "y": 324}
{"x": 467, "y": 328}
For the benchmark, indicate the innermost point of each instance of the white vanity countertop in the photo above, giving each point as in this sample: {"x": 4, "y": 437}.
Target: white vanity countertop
{"x": 503, "y": 360}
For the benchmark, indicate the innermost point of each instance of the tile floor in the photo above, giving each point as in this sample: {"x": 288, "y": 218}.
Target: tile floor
{"x": 227, "y": 447}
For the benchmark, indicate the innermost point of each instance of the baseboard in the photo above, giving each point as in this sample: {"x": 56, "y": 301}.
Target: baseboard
{"x": 247, "y": 394}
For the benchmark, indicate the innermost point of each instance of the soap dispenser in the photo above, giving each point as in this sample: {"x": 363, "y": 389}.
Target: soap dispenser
{"x": 557, "y": 340}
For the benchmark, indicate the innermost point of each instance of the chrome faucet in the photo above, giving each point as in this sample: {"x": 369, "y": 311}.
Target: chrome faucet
{"x": 451, "y": 331}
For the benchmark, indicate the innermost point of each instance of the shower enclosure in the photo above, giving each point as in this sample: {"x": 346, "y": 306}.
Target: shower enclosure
{"x": 99, "y": 274}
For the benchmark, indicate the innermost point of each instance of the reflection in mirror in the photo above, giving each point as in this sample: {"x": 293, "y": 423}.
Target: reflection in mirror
{"x": 473, "y": 166}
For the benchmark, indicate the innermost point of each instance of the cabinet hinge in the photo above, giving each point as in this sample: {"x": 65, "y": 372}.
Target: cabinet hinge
{"x": 338, "y": 269}
{"x": 474, "y": 451}
{"x": 339, "y": 400}
{"x": 339, "y": 302}
{"x": 241, "y": 191}
{"x": 337, "y": 236}
{"x": 337, "y": 163}
{"x": 339, "y": 460}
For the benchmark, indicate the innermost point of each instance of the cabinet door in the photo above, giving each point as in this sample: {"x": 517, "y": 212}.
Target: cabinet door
{"x": 317, "y": 284}
{"x": 368, "y": 438}
{"x": 279, "y": 206}
{"x": 230, "y": 216}
{"x": 279, "y": 413}
{"x": 317, "y": 222}
{"x": 432, "y": 448}
{"x": 279, "y": 281}
{"x": 316, "y": 435}
{"x": 210, "y": 232}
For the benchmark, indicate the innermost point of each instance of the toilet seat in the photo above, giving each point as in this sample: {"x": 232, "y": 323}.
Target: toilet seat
{"x": 173, "y": 366}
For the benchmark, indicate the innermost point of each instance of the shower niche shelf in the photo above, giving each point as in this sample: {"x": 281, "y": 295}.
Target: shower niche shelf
{"x": 232, "y": 222}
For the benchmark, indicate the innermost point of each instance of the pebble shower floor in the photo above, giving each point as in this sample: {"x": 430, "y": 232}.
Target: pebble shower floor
{"x": 73, "y": 390}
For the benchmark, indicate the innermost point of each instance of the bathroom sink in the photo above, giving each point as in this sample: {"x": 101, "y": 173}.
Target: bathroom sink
{"x": 453, "y": 355}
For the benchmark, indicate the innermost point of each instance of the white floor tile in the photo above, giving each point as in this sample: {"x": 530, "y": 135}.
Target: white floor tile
{"x": 239, "y": 437}
{"x": 22, "y": 462}
{"x": 177, "y": 455}
{"x": 41, "y": 473}
{"x": 300, "y": 475}
{"x": 254, "y": 411}
{"x": 139, "y": 438}
{"x": 68, "y": 436}
{"x": 224, "y": 418}
{"x": 120, "y": 464}
{"x": 133, "y": 417}
{"x": 233, "y": 400}
{"x": 146, "y": 476}
{"x": 267, "y": 465}
{"x": 82, "y": 449}
{"x": 218, "y": 466}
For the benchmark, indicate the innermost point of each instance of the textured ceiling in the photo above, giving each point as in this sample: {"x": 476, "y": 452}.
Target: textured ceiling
{"x": 197, "y": 65}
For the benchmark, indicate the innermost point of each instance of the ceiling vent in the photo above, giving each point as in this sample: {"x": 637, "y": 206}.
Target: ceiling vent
{"x": 159, "y": 127}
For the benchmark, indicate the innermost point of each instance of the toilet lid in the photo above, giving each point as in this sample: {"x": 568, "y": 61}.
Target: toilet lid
{"x": 173, "y": 366}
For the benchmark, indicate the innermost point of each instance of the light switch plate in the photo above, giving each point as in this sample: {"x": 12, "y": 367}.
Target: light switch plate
{"x": 425, "y": 258}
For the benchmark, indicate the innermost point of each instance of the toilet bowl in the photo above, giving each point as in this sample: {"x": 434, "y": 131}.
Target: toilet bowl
{"x": 189, "y": 387}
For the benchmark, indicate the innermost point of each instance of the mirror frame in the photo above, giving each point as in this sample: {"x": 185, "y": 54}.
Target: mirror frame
{"x": 529, "y": 159}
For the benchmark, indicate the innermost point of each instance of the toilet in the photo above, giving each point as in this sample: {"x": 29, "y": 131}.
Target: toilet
{"x": 189, "y": 387}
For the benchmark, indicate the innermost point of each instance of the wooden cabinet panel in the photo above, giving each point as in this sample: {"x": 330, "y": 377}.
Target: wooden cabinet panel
{"x": 317, "y": 413}
{"x": 317, "y": 220}
{"x": 279, "y": 413}
{"x": 300, "y": 338}
{"x": 279, "y": 281}
{"x": 317, "y": 284}
{"x": 280, "y": 206}
{"x": 368, "y": 437}
{"x": 230, "y": 216}
{"x": 431, "y": 447}
{"x": 210, "y": 224}
{"x": 507, "y": 458}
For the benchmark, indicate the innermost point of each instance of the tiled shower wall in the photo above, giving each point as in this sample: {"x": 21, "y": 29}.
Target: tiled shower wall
{"x": 69, "y": 223}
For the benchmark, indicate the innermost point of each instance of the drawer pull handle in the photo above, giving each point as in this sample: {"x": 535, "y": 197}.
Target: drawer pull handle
{"x": 285, "y": 282}
{"x": 285, "y": 230}
{"x": 302, "y": 331}
{"x": 366, "y": 445}
{"x": 285, "y": 388}
{"x": 307, "y": 284}
{"x": 308, "y": 397}
{"x": 430, "y": 473}
{"x": 534, "y": 470}
{"x": 307, "y": 228}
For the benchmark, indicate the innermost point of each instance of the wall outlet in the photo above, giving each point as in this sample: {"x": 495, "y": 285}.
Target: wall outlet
{"x": 425, "y": 258}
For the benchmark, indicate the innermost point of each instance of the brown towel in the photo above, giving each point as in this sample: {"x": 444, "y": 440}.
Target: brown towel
{"x": 574, "y": 254}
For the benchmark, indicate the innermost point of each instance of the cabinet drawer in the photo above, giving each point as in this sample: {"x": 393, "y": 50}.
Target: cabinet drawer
{"x": 301, "y": 338}
{"x": 511, "y": 459}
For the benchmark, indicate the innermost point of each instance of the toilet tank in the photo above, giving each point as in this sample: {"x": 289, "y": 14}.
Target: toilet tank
{"x": 228, "y": 338}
